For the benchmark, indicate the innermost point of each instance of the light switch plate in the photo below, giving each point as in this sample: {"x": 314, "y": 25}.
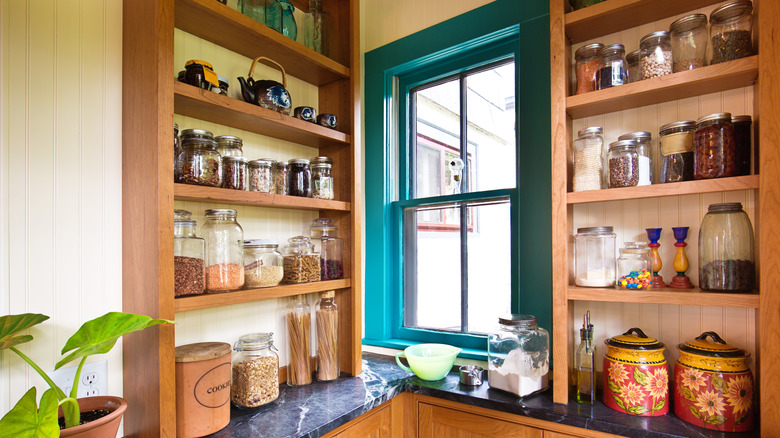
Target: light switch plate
{"x": 93, "y": 380}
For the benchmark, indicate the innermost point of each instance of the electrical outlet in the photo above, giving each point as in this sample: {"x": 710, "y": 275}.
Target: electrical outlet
{"x": 93, "y": 380}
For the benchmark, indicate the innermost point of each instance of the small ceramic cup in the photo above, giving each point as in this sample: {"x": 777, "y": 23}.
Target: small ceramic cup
{"x": 306, "y": 113}
{"x": 327, "y": 120}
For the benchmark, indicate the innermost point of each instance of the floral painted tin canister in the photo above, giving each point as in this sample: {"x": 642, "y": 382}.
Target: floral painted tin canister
{"x": 636, "y": 378}
{"x": 713, "y": 385}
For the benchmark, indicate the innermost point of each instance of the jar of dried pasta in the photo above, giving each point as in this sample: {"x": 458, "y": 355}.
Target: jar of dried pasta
{"x": 301, "y": 263}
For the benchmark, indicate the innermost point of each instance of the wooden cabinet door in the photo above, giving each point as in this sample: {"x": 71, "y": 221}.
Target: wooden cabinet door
{"x": 374, "y": 424}
{"x": 439, "y": 422}
{"x": 551, "y": 434}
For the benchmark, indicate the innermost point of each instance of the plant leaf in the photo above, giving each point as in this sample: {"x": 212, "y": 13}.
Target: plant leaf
{"x": 640, "y": 377}
{"x": 688, "y": 394}
{"x": 719, "y": 384}
{"x": 614, "y": 387}
{"x": 99, "y": 335}
{"x": 637, "y": 410}
{"x": 11, "y": 325}
{"x": 27, "y": 421}
{"x": 619, "y": 402}
{"x": 695, "y": 412}
{"x": 716, "y": 420}
{"x": 741, "y": 418}
{"x": 659, "y": 405}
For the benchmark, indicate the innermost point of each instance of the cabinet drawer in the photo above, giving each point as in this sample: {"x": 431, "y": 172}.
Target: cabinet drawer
{"x": 435, "y": 421}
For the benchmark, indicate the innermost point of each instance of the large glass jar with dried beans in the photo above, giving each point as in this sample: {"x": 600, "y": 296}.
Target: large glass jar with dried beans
{"x": 189, "y": 259}
{"x": 689, "y": 42}
{"x": 199, "y": 162}
{"x": 255, "y": 379}
{"x": 623, "y": 164}
{"x": 262, "y": 263}
{"x": 261, "y": 178}
{"x": 613, "y": 70}
{"x": 587, "y": 159}
{"x": 301, "y": 263}
{"x": 645, "y": 154}
{"x": 713, "y": 147}
{"x": 281, "y": 177}
{"x": 224, "y": 250}
{"x": 655, "y": 57}
{"x": 676, "y": 140}
{"x": 229, "y": 146}
{"x": 742, "y": 143}
{"x": 234, "y": 173}
{"x": 321, "y": 178}
{"x": 299, "y": 178}
{"x": 726, "y": 249}
{"x": 587, "y": 65}
{"x": 731, "y": 27}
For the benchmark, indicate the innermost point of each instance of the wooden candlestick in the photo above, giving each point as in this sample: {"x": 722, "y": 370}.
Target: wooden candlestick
{"x": 680, "y": 281}
{"x": 653, "y": 234}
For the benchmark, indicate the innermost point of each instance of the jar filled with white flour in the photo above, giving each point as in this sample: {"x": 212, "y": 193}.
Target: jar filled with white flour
{"x": 519, "y": 355}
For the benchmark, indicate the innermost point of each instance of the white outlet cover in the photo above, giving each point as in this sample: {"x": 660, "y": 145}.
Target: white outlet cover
{"x": 94, "y": 379}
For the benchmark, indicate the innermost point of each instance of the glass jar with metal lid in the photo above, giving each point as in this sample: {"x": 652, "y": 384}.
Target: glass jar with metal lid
{"x": 181, "y": 215}
{"x": 255, "y": 379}
{"x": 676, "y": 140}
{"x": 301, "y": 263}
{"x": 189, "y": 257}
{"x": 714, "y": 147}
{"x": 689, "y": 42}
{"x": 199, "y": 162}
{"x": 224, "y": 250}
{"x": 262, "y": 263}
{"x": 742, "y": 143}
{"x": 632, "y": 60}
{"x": 587, "y": 65}
{"x": 324, "y": 237}
{"x": 731, "y": 27}
{"x": 299, "y": 178}
{"x": 656, "y": 55}
{"x": 261, "y": 177}
{"x": 635, "y": 266}
{"x": 612, "y": 67}
{"x": 519, "y": 355}
{"x": 642, "y": 139}
{"x": 281, "y": 177}
{"x": 587, "y": 159}
{"x": 229, "y": 146}
{"x": 594, "y": 257}
{"x": 234, "y": 173}
{"x": 322, "y": 181}
{"x": 726, "y": 249}
{"x": 327, "y": 321}
{"x": 623, "y": 164}
{"x": 298, "y": 321}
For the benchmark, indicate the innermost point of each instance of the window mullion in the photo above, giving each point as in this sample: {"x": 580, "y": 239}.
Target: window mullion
{"x": 464, "y": 271}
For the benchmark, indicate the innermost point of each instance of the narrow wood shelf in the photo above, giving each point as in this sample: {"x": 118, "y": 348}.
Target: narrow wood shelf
{"x": 188, "y": 192}
{"x": 668, "y": 189}
{"x": 615, "y": 15}
{"x": 686, "y": 297}
{"x": 207, "y": 105}
{"x": 713, "y": 78}
{"x": 228, "y": 28}
{"x": 206, "y": 301}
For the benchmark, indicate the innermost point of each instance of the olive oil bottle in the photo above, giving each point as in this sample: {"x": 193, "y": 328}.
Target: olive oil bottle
{"x": 584, "y": 360}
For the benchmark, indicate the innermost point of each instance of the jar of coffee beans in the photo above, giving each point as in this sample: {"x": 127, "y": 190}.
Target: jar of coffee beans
{"x": 623, "y": 163}
{"x": 299, "y": 178}
{"x": 199, "y": 162}
{"x": 656, "y": 55}
{"x": 726, "y": 250}
{"x": 255, "y": 379}
{"x": 261, "y": 178}
{"x": 742, "y": 143}
{"x": 714, "y": 147}
{"x": 234, "y": 173}
{"x": 731, "y": 27}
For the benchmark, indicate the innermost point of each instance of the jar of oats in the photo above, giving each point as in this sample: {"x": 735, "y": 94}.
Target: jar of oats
{"x": 255, "y": 371}
{"x": 262, "y": 263}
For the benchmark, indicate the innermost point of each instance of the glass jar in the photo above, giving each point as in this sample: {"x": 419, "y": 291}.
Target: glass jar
{"x": 279, "y": 17}
{"x": 199, "y": 162}
{"x": 224, "y": 250}
{"x": 327, "y": 321}
{"x": 742, "y": 143}
{"x": 200, "y": 74}
{"x": 254, "y": 9}
{"x": 322, "y": 228}
{"x": 181, "y": 215}
{"x": 612, "y": 67}
{"x": 331, "y": 248}
{"x": 299, "y": 178}
{"x": 322, "y": 181}
{"x": 301, "y": 263}
{"x": 229, "y": 146}
{"x": 594, "y": 257}
{"x": 587, "y": 65}
{"x": 189, "y": 259}
{"x": 689, "y": 42}
{"x": 176, "y": 151}
{"x": 623, "y": 164}
{"x": 519, "y": 355}
{"x": 261, "y": 178}
{"x": 726, "y": 250}
{"x": 731, "y": 27}
{"x": 255, "y": 379}
{"x": 234, "y": 174}
{"x": 281, "y": 177}
{"x": 315, "y": 28}
{"x": 298, "y": 321}
{"x": 645, "y": 155}
{"x": 262, "y": 263}
{"x": 655, "y": 57}
{"x": 713, "y": 147}
{"x": 632, "y": 60}
{"x": 676, "y": 140}
{"x": 587, "y": 159}
{"x": 635, "y": 266}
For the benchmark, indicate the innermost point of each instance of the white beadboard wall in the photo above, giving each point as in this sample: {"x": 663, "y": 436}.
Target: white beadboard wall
{"x": 672, "y": 324}
{"x": 60, "y": 177}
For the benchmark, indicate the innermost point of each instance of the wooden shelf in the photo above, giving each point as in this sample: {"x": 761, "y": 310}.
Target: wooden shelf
{"x": 615, "y": 15}
{"x": 206, "y": 301}
{"x": 207, "y": 105}
{"x": 713, "y": 78}
{"x": 668, "y": 189}
{"x": 188, "y": 192}
{"x": 686, "y": 297}
{"x": 228, "y": 28}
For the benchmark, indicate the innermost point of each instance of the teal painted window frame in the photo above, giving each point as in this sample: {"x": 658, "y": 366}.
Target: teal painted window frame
{"x": 495, "y": 31}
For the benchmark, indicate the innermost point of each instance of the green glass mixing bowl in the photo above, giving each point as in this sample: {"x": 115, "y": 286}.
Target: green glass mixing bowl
{"x": 429, "y": 361}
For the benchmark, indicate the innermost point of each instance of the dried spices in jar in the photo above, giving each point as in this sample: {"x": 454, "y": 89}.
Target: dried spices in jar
{"x": 713, "y": 147}
{"x": 742, "y": 143}
{"x": 234, "y": 174}
{"x": 587, "y": 159}
{"x": 229, "y": 146}
{"x": 321, "y": 179}
{"x": 644, "y": 154}
{"x": 689, "y": 42}
{"x": 281, "y": 177}
{"x": 299, "y": 178}
{"x": 301, "y": 263}
{"x": 255, "y": 379}
{"x": 587, "y": 65}
{"x": 655, "y": 55}
{"x": 612, "y": 67}
{"x": 200, "y": 74}
{"x": 262, "y": 263}
{"x": 676, "y": 140}
{"x": 730, "y": 31}
{"x": 623, "y": 164}
{"x": 199, "y": 162}
{"x": 261, "y": 177}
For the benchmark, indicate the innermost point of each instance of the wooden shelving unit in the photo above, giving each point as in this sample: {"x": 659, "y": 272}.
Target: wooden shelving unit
{"x": 763, "y": 73}
{"x": 150, "y": 98}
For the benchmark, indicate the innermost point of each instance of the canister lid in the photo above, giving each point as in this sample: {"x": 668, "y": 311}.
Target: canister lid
{"x": 635, "y": 339}
{"x": 682, "y": 124}
{"x": 741, "y": 119}
{"x": 605, "y": 229}
{"x": 633, "y": 57}
{"x": 180, "y": 214}
{"x": 221, "y": 211}
{"x": 264, "y": 162}
{"x": 229, "y": 140}
{"x": 197, "y": 133}
{"x": 299, "y": 161}
{"x": 622, "y": 144}
{"x": 326, "y": 160}
{"x": 612, "y": 49}
{"x": 688, "y": 23}
{"x": 261, "y": 242}
{"x": 238, "y": 158}
{"x": 518, "y": 320}
{"x": 281, "y": 164}
{"x": 254, "y": 341}
{"x": 328, "y": 294}
{"x": 593, "y": 130}
{"x": 731, "y": 10}
{"x": 201, "y": 351}
{"x": 588, "y": 51}
{"x": 638, "y": 135}
{"x": 713, "y": 347}
{"x": 726, "y": 206}
{"x": 660, "y": 35}
{"x": 726, "y": 117}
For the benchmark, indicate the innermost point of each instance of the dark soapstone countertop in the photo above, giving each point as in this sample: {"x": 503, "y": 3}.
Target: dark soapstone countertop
{"x": 316, "y": 409}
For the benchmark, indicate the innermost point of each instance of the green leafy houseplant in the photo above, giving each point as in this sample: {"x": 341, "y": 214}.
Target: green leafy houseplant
{"x": 97, "y": 336}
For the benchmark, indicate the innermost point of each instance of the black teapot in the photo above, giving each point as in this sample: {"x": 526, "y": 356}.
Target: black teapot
{"x": 265, "y": 92}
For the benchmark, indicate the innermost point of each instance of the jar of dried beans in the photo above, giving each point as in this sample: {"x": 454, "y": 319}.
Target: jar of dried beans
{"x": 299, "y": 178}
{"x": 234, "y": 173}
{"x": 676, "y": 140}
{"x": 321, "y": 180}
{"x": 301, "y": 263}
{"x": 655, "y": 58}
{"x": 262, "y": 263}
{"x": 689, "y": 42}
{"x": 189, "y": 259}
{"x": 229, "y": 146}
{"x": 642, "y": 139}
{"x": 255, "y": 371}
{"x": 587, "y": 61}
{"x": 281, "y": 177}
{"x": 623, "y": 162}
{"x": 199, "y": 162}
{"x": 261, "y": 178}
{"x": 587, "y": 159}
{"x": 731, "y": 27}
{"x": 726, "y": 250}
{"x": 224, "y": 250}
{"x": 713, "y": 147}
{"x": 612, "y": 67}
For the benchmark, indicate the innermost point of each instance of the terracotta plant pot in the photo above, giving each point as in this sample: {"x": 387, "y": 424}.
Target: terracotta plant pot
{"x": 102, "y": 427}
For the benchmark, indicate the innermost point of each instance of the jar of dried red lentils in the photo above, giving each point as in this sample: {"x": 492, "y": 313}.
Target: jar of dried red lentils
{"x": 224, "y": 250}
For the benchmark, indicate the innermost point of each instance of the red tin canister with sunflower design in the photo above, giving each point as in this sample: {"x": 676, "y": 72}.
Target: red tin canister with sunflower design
{"x": 713, "y": 385}
{"x": 636, "y": 378}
